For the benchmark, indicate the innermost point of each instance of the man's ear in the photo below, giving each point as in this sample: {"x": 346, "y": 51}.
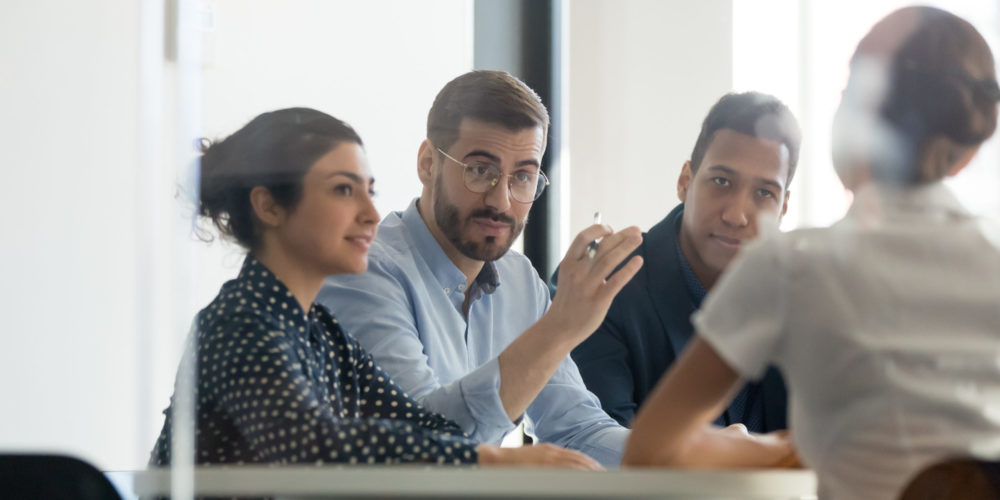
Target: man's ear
{"x": 425, "y": 160}
{"x": 684, "y": 181}
{"x": 265, "y": 207}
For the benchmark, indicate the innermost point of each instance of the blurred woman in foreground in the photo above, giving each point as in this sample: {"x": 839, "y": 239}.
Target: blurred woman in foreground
{"x": 886, "y": 325}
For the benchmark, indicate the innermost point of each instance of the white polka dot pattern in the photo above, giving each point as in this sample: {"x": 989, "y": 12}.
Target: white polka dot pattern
{"x": 277, "y": 386}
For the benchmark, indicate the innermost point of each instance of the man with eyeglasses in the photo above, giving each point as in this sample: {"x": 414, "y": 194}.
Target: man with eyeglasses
{"x": 458, "y": 320}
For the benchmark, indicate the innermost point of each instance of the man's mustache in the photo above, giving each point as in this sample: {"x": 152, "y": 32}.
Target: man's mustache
{"x": 492, "y": 215}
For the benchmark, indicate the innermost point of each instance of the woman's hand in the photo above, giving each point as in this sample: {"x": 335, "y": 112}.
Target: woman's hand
{"x": 540, "y": 455}
{"x": 781, "y": 441}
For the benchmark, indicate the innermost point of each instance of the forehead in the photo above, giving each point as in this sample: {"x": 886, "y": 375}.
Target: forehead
{"x": 747, "y": 155}
{"x": 348, "y": 157}
{"x": 499, "y": 140}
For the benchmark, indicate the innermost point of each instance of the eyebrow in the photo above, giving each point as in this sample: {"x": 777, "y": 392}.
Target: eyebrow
{"x": 496, "y": 159}
{"x": 726, "y": 170}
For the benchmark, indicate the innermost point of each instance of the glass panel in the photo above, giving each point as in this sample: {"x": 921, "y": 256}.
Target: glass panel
{"x": 102, "y": 102}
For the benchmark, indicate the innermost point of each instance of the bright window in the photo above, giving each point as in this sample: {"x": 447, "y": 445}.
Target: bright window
{"x": 799, "y": 52}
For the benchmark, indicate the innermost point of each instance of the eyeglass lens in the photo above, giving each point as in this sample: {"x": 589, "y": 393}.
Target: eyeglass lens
{"x": 524, "y": 186}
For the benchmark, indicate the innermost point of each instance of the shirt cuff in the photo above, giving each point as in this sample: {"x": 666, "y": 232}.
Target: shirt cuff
{"x": 607, "y": 446}
{"x": 481, "y": 393}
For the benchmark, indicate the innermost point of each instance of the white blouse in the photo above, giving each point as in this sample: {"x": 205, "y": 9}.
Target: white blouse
{"x": 887, "y": 329}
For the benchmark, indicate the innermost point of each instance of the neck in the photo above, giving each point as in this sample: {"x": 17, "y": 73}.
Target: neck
{"x": 705, "y": 276}
{"x": 469, "y": 267}
{"x": 303, "y": 283}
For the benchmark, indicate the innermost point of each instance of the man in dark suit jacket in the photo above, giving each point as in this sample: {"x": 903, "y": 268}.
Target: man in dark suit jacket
{"x": 735, "y": 182}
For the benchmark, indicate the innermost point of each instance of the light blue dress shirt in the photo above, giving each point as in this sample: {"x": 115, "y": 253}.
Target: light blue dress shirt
{"x": 406, "y": 310}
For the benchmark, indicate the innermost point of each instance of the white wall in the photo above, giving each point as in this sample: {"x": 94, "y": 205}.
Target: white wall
{"x": 375, "y": 64}
{"x": 68, "y": 146}
{"x": 642, "y": 76}
{"x": 100, "y": 274}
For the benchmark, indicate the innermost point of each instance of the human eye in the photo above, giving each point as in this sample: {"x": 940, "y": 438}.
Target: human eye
{"x": 344, "y": 189}
{"x": 524, "y": 177}
{"x": 480, "y": 170}
{"x": 766, "y": 194}
{"x": 721, "y": 181}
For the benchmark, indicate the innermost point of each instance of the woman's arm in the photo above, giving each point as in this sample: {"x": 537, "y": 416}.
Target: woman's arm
{"x": 672, "y": 427}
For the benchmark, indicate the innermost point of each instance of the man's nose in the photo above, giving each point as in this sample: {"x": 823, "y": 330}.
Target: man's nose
{"x": 498, "y": 197}
{"x": 739, "y": 212}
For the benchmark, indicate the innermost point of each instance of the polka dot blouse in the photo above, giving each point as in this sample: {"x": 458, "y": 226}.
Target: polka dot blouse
{"x": 275, "y": 385}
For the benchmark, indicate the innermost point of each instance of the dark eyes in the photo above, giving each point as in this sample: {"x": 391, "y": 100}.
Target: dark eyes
{"x": 522, "y": 176}
{"x": 480, "y": 169}
{"x": 486, "y": 170}
{"x": 348, "y": 190}
{"x": 762, "y": 193}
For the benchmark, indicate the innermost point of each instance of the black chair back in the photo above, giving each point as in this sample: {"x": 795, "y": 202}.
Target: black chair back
{"x": 52, "y": 476}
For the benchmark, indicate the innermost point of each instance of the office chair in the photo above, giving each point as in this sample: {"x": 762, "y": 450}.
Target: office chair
{"x": 52, "y": 476}
{"x": 955, "y": 479}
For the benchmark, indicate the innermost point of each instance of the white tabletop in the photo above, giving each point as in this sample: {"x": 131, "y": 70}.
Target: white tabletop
{"x": 414, "y": 482}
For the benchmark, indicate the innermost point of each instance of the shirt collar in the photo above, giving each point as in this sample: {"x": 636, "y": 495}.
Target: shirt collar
{"x": 255, "y": 277}
{"x": 446, "y": 272}
{"x": 486, "y": 282}
{"x": 873, "y": 202}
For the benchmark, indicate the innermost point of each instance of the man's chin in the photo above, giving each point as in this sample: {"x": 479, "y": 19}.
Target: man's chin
{"x": 484, "y": 251}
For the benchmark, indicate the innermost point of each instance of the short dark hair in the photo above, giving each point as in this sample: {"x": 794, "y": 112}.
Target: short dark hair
{"x": 920, "y": 73}
{"x": 755, "y": 114}
{"x": 274, "y": 150}
{"x": 494, "y": 97}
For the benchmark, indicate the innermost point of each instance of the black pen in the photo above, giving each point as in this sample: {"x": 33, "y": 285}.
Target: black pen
{"x": 592, "y": 246}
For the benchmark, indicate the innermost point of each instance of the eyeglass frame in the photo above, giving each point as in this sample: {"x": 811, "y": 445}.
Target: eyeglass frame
{"x": 466, "y": 166}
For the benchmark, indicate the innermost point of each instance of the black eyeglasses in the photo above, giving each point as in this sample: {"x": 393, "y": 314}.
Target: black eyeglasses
{"x": 524, "y": 186}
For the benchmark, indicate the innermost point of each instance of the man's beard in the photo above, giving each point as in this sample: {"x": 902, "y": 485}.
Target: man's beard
{"x": 450, "y": 222}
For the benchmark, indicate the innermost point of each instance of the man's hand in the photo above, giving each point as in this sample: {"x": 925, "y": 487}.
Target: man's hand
{"x": 587, "y": 285}
{"x": 540, "y": 455}
{"x": 586, "y": 288}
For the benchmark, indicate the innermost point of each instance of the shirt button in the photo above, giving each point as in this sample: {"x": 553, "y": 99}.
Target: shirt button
{"x": 461, "y": 288}
{"x": 447, "y": 290}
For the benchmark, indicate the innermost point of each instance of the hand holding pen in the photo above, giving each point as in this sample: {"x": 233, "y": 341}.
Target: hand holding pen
{"x": 594, "y": 270}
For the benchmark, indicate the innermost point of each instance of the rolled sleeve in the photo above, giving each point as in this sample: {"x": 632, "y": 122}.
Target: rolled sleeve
{"x": 567, "y": 414}
{"x": 480, "y": 401}
{"x": 473, "y": 401}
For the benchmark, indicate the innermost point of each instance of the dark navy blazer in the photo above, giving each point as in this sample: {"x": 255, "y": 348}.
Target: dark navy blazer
{"x": 622, "y": 361}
